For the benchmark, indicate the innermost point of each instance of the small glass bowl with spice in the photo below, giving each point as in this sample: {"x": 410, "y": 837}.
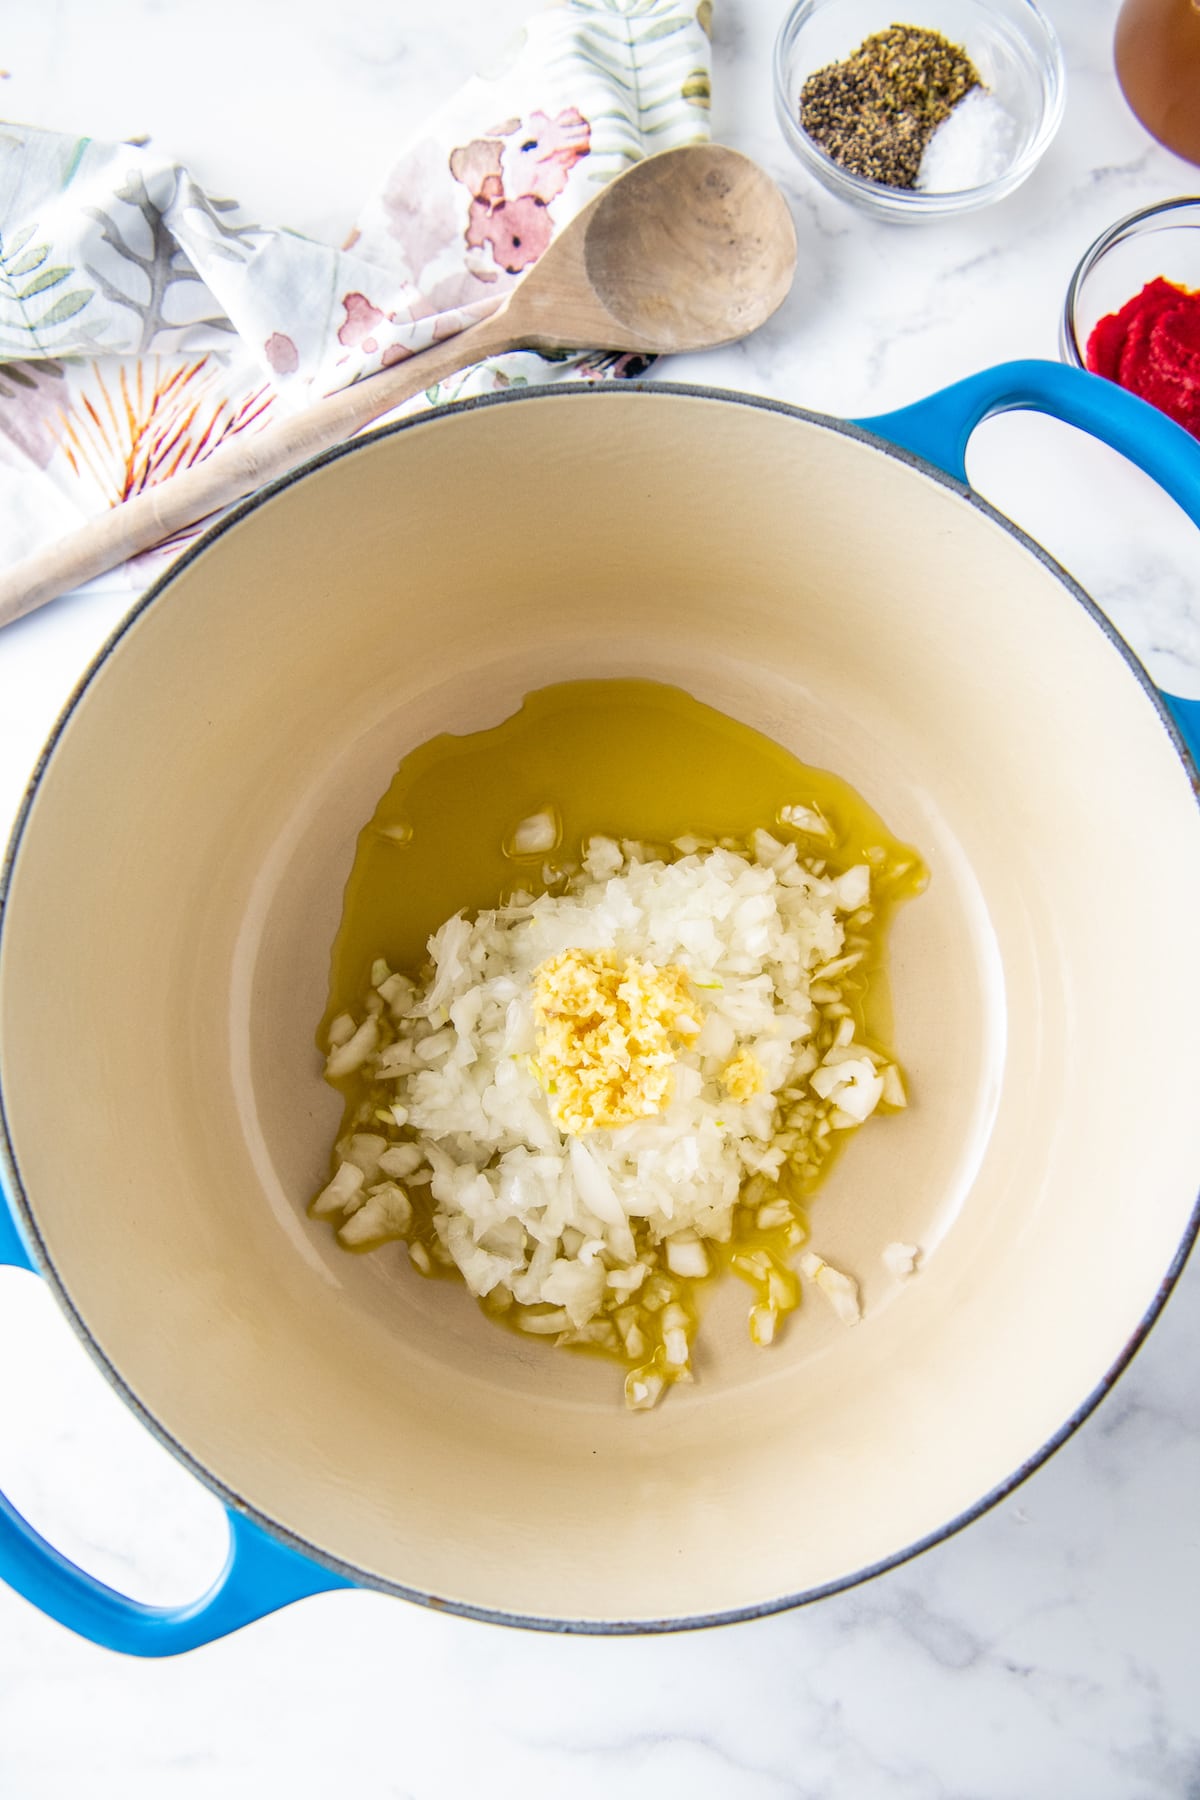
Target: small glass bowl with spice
{"x": 1133, "y": 308}
{"x": 918, "y": 117}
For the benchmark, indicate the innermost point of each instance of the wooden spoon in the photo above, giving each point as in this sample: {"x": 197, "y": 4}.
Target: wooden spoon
{"x": 687, "y": 250}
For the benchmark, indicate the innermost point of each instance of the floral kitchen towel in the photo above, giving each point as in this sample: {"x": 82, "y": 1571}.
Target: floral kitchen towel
{"x": 144, "y": 321}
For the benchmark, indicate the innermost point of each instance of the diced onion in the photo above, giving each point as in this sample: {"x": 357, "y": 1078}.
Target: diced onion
{"x": 809, "y": 819}
{"x": 588, "y": 1227}
{"x": 596, "y": 1192}
{"x": 782, "y": 1289}
{"x": 386, "y": 1213}
{"x": 400, "y": 1160}
{"x": 893, "y": 1086}
{"x": 658, "y": 1291}
{"x": 675, "y": 1336}
{"x": 345, "y": 1058}
{"x": 841, "y": 965}
{"x": 627, "y": 1281}
{"x": 643, "y": 1389}
{"x": 754, "y": 1264}
{"x": 341, "y": 1031}
{"x": 853, "y": 888}
{"x": 339, "y": 1193}
{"x": 762, "y": 1325}
{"x": 534, "y": 835}
{"x": 363, "y": 1149}
{"x": 686, "y": 1255}
{"x": 397, "y": 991}
{"x": 543, "y": 1324}
{"x": 900, "y": 1259}
{"x": 840, "y": 1290}
{"x": 853, "y": 1085}
{"x": 602, "y": 856}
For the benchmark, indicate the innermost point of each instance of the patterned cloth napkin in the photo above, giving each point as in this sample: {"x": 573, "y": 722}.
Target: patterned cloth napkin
{"x": 144, "y": 321}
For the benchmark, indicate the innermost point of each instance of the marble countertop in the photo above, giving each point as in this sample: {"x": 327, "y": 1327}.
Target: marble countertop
{"x": 1053, "y": 1649}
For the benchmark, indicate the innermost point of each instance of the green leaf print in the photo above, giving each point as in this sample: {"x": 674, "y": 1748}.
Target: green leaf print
{"x": 29, "y": 315}
{"x": 67, "y": 306}
{"x": 16, "y": 243}
{"x": 649, "y": 56}
{"x": 663, "y": 28}
{"x": 33, "y": 259}
{"x": 47, "y": 279}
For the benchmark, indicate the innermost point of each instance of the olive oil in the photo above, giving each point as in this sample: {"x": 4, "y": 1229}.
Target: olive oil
{"x": 629, "y": 760}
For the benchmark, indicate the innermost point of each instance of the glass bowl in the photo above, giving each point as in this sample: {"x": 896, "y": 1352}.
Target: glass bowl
{"x": 1011, "y": 43}
{"x": 1158, "y": 240}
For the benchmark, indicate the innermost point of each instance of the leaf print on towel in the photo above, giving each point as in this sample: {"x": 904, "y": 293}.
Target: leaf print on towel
{"x": 697, "y": 89}
{"x": 196, "y": 317}
{"x": 203, "y": 213}
{"x": 144, "y": 279}
{"x": 652, "y": 57}
{"x": 126, "y": 432}
{"x": 37, "y": 297}
{"x": 512, "y": 177}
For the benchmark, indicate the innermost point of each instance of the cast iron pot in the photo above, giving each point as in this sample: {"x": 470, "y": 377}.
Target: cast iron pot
{"x": 172, "y": 891}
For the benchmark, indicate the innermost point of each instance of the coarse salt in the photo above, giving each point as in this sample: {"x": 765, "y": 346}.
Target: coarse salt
{"x": 973, "y": 146}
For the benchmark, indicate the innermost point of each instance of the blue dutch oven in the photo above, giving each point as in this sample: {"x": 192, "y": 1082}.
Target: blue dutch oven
{"x": 170, "y": 895}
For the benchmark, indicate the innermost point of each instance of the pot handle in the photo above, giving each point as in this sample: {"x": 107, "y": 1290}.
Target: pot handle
{"x": 260, "y": 1574}
{"x": 939, "y": 429}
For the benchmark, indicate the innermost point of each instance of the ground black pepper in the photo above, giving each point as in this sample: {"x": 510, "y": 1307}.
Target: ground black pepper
{"x": 875, "y": 113}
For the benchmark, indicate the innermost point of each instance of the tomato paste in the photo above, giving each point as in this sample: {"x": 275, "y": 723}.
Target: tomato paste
{"x": 1152, "y": 347}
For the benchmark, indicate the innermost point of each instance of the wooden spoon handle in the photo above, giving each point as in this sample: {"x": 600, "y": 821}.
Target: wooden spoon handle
{"x": 236, "y": 469}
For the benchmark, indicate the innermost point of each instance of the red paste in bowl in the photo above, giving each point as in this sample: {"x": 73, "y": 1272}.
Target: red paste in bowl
{"x": 1152, "y": 347}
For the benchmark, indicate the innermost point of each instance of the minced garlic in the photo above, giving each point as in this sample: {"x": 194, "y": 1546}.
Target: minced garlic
{"x": 609, "y": 1030}
{"x": 744, "y": 1076}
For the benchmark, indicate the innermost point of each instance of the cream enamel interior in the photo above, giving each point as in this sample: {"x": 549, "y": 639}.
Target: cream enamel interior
{"x": 176, "y": 890}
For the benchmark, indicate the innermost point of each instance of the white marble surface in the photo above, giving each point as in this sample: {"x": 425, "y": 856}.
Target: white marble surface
{"x": 1053, "y": 1650}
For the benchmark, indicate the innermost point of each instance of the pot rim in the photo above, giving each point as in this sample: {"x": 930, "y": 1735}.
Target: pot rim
{"x": 12, "y": 1187}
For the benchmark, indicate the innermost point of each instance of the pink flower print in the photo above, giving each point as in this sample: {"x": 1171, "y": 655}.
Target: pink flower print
{"x": 511, "y": 184}
{"x": 281, "y": 353}
{"x": 478, "y": 166}
{"x": 544, "y": 153}
{"x": 360, "y": 321}
{"x": 517, "y": 231}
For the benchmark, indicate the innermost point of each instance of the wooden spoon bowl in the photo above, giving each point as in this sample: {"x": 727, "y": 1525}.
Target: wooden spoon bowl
{"x": 688, "y": 250}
